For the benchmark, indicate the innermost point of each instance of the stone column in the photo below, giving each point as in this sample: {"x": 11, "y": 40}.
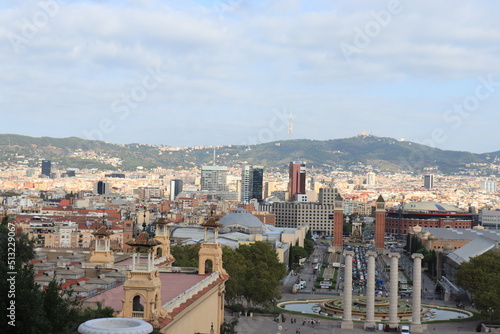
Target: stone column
{"x": 370, "y": 291}
{"x": 393, "y": 299}
{"x": 347, "y": 315}
{"x": 416, "y": 325}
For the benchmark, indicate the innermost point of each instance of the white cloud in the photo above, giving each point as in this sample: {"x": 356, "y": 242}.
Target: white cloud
{"x": 220, "y": 63}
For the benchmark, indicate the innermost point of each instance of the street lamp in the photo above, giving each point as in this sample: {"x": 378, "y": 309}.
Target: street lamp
{"x": 490, "y": 312}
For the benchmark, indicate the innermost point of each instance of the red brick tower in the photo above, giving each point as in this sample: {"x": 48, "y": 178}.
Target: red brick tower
{"x": 380, "y": 224}
{"x": 338, "y": 223}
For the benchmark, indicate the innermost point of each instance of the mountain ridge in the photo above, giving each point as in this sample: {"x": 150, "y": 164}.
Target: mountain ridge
{"x": 382, "y": 153}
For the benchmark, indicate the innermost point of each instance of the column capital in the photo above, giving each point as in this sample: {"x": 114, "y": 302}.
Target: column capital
{"x": 396, "y": 255}
{"x": 348, "y": 253}
{"x": 417, "y": 256}
{"x": 368, "y": 254}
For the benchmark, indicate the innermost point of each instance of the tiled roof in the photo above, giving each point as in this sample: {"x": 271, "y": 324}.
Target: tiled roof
{"x": 103, "y": 230}
{"x": 143, "y": 240}
{"x": 211, "y": 222}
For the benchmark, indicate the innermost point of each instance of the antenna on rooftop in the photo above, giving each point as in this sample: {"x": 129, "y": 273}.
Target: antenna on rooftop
{"x": 290, "y": 125}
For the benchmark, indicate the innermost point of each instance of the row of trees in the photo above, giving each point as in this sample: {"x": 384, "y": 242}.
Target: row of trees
{"x": 414, "y": 245}
{"x": 255, "y": 271}
{"x": 27, "y": 308}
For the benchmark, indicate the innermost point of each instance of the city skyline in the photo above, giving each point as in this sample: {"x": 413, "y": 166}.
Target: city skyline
{"x": 231, "y": 72}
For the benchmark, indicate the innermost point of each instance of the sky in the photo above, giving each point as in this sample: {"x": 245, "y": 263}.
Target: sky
{"x": 220, "y": 72}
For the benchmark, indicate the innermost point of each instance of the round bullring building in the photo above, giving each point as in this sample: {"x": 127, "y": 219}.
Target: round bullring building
{"x": 402, "y": 219}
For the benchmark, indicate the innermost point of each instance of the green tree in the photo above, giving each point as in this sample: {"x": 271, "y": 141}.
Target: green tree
{"x": 263, "y": 274}
{"x": 309, "y": 246}
{"x": 236, "y": 266}
{"x": 99, "y": 312}
{"x": 186, "y": 255}
{"x": 61, "y": 308}
{"x": 19, "y": 291}
{"x": 229, "y": 327}
{"x": 297, "y": 253}
{"x": 408, "y": 241}
{"x": 481, "y": 277}
{"x": 347, "y": 228}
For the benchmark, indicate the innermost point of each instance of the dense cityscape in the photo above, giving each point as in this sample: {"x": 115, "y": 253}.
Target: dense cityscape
{"x": 249, "y": 166}
{"x": 86, "y": 225}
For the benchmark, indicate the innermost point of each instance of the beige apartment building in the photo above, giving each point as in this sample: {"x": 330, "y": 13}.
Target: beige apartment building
{"x": 318, "y": 216}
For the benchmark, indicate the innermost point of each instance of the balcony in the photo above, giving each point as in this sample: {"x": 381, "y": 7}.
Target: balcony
{"x": 138, "y": 314}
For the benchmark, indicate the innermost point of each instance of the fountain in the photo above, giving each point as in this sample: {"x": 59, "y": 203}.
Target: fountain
{"x": 334, "y": 308}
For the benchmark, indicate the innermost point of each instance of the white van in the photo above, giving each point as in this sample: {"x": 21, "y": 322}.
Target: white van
{"x": 405, "y": 329}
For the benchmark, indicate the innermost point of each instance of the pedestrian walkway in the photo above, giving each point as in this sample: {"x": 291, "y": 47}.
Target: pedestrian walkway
{"x": 265, "y": 325}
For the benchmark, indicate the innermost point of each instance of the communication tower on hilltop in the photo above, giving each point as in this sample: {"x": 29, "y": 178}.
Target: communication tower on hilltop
{"x": 290, "y": 126}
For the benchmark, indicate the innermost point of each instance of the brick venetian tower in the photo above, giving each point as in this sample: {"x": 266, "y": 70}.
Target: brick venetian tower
{"x": 380, "y": 224}
{"x": 338, "y": 223}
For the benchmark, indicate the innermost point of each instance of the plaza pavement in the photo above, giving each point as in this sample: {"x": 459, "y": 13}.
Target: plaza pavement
{"x": 266, "y": 325}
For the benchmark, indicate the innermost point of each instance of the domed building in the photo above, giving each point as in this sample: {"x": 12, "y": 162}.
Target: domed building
{"x": 240, "y": 220}
{"x": 240, "y": 227}
{"x": 402, "y": 219}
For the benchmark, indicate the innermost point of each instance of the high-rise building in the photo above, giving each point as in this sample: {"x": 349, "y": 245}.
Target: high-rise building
{"x": 245, "y": 184}
{"x": 214, "y": 178}
{"x": 297, "y": 179}
{"x": 489, "y": 185}
{"x": 175, "y": 188}
{"x": 46, "y": 167}
{"x": 256, "y": 182}
{"x": 252, "y": 178}
{"x": 429, "y": 181}
{"x": 371, "y": 179}
{"x": 101, "y": 188}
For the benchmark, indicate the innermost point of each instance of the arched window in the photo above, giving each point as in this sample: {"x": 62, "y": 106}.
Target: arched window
{"x": 138, "y": 304}
{"x": 208, "y": 266}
